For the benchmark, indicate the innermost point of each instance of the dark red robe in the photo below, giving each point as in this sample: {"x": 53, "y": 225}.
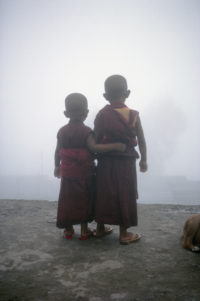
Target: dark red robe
{"x": 75, "y": 204}
{"x": 116, "y": 171}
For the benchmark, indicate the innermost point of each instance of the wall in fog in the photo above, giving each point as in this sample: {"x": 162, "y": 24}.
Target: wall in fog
{"x": 52, "y": 48}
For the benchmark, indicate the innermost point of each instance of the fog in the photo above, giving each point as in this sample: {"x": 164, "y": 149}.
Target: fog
{"x": 52, "y": 48}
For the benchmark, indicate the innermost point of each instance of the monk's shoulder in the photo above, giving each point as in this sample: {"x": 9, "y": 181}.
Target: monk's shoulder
{"x": 104, "y": 110}
{"x": 86, "y": 128}
{"x": 62, "y": 130}
{"x": 134, "y": 111}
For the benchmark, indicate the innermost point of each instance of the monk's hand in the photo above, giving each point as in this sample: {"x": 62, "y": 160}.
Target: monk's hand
{"x": 57, "y": 172}
{"x": 121, "y": 147}
{"x": 143, "y": 166}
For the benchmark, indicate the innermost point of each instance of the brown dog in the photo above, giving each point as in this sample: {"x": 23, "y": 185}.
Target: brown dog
{"x": 191, "y": 233}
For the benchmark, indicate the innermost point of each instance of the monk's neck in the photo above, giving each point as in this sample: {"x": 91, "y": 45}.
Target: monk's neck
{"x": 75, "y": 121}
{"x": 117, "y": 104}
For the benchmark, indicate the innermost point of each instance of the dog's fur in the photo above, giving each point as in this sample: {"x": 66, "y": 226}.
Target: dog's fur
{"x": 191, "y": 233}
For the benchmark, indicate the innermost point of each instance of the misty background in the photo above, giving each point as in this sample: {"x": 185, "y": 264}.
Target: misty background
{"x": 52, "y": 48}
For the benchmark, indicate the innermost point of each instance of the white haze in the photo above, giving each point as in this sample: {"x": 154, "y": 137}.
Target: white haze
{"x": 52, "y": 48}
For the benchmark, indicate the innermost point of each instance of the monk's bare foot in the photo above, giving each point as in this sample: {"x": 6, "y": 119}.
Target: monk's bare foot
{"x": 129, "y": 237}
{"x": 84, "y": 227}
{"x": 86, "y": 234}
{"x": 85, "y": 231}
{"x": 103, "y": 230}
{"x": 69, "y": 232}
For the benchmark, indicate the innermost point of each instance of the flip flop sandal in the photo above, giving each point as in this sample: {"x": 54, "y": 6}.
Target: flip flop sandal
{"x": 67, "y": 235}
{"x": 107, "y": 231}
{"x": 131, "y": 240}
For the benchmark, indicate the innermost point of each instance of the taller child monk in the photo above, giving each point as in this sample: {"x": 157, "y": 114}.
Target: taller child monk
{"x": 116, "y": 172}
{"x": 74, "y": 162}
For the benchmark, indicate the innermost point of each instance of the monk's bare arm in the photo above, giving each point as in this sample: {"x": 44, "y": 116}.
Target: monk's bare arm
{"x": 103, "y": 148}
{"x": 57, "y": 160}
{"x": 142, "y": 145}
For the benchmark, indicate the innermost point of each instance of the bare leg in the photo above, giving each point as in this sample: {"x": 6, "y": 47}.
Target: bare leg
{"x": 85, "y": 232}
{"x": 68, "y": 232}
{"x": 124, "y": 234}
{"x": 84, "y": 229}
{"x": 103, "y": 230}
{"x": 100, "y": 229}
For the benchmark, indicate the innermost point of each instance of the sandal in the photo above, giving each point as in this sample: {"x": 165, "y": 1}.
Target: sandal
{"x": 133, "y": 238}
{"x": 89, "y": 234}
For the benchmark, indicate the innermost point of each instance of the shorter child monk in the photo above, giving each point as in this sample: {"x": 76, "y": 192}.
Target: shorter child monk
{"x": 116, "y": 171}
{"x": 74, "y": 163}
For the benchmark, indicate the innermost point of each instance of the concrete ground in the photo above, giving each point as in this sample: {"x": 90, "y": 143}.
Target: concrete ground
{"x": 37, "y": 264}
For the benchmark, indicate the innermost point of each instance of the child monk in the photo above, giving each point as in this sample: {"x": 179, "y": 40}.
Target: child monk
{"x": 74, "y": 163}
{"x": 116, "y": 171}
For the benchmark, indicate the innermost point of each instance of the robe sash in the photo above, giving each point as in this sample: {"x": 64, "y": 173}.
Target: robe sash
{"x": 76, "y": 163}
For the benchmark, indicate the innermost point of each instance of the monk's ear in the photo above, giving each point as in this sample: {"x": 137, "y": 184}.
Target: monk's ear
{"x": 128, "y": 93}
{"x": 66, "y": 114}
{"x": 105, "y": 96}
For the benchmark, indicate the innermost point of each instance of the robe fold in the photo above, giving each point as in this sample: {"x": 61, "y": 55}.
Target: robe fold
{"x": 76, "y": 198}
{"x": 116, "y": 183}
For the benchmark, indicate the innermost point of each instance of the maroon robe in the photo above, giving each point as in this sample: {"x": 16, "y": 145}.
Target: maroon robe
{"x": 75, "y": 204}
{"x": 116, "y": 171}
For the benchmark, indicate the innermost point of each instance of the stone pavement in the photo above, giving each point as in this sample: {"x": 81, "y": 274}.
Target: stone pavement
{"x": 37, "y": 264}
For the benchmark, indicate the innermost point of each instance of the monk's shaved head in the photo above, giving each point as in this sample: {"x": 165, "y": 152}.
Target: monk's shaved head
{"x": 115, "y": 87}
{"x": 76, "y": 106}
{"x": 76, "y": 102}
